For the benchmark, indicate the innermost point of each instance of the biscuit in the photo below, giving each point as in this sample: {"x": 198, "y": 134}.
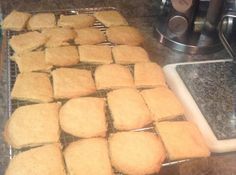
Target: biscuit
{"x": 62, "y": 56}
{"x": 124, "y": 35}
{"x": 58, "y": 36}
{"x": 163, "y": 104}
{"x": 148, "y": 75}
{"x": 136, "y": 152}
{"x": 110, "y": 18}
{"x": 33, "y": 125}
{"x": 76, "y": 21}
{"x": 128, "y": 109}
{"x": 113, "y": 76}
{"x": 44, "y": 160}
{"x": 71, "y": 83}
{"x": 88, "y": 157}
{"x": 84, "y": 117}
{"x": 124, "y": 54}
{"x": 41, "y": 20}
{"x": 15, "y": 21}
{"x": 95, "y": 54}
{"x": 30, "y": 86}
{"x": 32, "y": 61}
{"x": 89, "y": 36}
{"x": 182, "y": 140}
{"x": 27, "y": 41}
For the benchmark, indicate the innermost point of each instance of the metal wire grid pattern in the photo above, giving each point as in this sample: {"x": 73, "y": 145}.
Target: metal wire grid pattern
{"x": 67, "y": 138}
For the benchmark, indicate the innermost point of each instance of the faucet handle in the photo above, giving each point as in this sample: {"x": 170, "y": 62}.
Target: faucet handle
{"x": 223, "y": 38}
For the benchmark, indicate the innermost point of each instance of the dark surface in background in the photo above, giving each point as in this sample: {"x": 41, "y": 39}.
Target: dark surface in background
{"x": 140, "y": 13}
{"x": 130, "y": 8}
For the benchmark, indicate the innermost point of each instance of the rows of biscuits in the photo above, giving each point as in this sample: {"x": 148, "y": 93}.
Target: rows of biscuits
{"x": 48, "y": 54}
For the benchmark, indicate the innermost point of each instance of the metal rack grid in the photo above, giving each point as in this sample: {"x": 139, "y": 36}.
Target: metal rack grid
{"x": 67, "y": 138}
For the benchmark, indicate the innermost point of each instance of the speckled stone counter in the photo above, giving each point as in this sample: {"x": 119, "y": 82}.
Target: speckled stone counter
{"x": 213, "y": 87}
{"x": 140, "y": 13}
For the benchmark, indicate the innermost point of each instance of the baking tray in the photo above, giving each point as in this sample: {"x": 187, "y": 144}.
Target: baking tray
{"x": 12, "y": 71}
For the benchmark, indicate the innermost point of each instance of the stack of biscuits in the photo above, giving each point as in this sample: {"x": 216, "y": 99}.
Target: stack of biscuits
{"x": 48, "y": 52}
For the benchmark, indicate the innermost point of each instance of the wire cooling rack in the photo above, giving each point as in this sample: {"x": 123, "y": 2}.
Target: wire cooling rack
{"x": 13, "y": 72}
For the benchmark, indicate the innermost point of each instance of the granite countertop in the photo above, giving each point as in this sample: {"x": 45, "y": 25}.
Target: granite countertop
{"x": 140, "y": 13}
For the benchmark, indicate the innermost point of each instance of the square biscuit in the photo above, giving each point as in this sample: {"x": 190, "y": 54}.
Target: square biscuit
{"x": 110, "y": 18}
{"x": 125, "y": 35}
{"x": 58, "y": 36}
{"x": 88, "y": 157}
{"x": 41, "y": 20}
{"x": 89, "y": 36}
{"x": 71, "y": 83}
{"x": 163, "y": 104}
{"x": 32, "y": 61}
{"x": 148, "y": 75}
{"x": 42, "y": 160}
{"x": 84, "y": 117}
{"x": 76, "y": 21}
{"x": 33, "y": 125}
{"x": 15, "y": 21}
{"x": 122, "y": 103}
{"x": 62, "y": 56}
{"x": 182, "y": 140}
{"x": 95, "y": 54}
{"x": 124, "y": 54}
{"x": 136, "y": 152}
{"x": 30, "y": 86}
{"x": 113, "y": 76}
{"x": 27, "y": 41}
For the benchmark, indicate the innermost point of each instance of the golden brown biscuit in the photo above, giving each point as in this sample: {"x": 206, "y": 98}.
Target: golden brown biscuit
{"x": 95, "y": 54}
{"x": 76, "y": 21}
{"x": 44, "y": 160}
{"x": 62, "y": 56}
{"x": 136, "y": 152}
{"x": 88, "y": 157}
{"x": 148, "y": 75}
{"x": 41, "y": 21}
{"x": 124, "y": 54}
{"x": 32, "y": 61}
{"x": 110, "y": 18}
{"x": 71, "y": 83}
{"x": 33, "y": 125}
{"x": 113, "y": 76}
{"x": 27, "y": 41}
{"x": 89, "y": 36}
{"x": 182, "y": 140}
{"x": 163, "y": 104}
{"x": 84, "y": 117}
{"x": 15, "y": 21}
{"x": 58, "y": 36}
{"x": 124, "y": 35}
{"x": 30, "y": 86}
{"x": 128, "y": 109}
